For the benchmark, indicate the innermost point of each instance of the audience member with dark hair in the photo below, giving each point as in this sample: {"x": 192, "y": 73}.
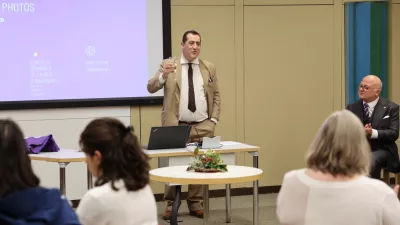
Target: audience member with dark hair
{"x": 22, "y": 200}
{"x": 122, "y": 194}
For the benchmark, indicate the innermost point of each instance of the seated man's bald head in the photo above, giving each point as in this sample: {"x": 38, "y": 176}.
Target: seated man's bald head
{"x": 376, "y": 81}
{"x": 370, "y": 88}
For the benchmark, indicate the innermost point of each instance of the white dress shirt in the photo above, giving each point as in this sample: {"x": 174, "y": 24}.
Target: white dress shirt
{"x": 185, "y": 114}
{"x": 371, "y": 108}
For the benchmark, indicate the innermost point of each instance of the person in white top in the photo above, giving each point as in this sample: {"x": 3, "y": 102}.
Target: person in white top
{"x": 334, "y": 188}
{"x": 122, "y": 195}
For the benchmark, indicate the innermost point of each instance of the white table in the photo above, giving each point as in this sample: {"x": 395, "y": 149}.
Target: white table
{"x": 183, "y": 156}
{"x": 235, "y": 174}
{"x": 63, "y": 158}
{"x": 226, "y": 148}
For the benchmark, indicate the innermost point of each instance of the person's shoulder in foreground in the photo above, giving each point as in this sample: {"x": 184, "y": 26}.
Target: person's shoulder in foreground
{"x": 300, "y": 174}
{"x": 37, "y": 204}
{"x": 302, "y": 196}
{"x": 127, "y": 207}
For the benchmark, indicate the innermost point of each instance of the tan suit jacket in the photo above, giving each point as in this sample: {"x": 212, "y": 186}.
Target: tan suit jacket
{"x": 172, "y": 87}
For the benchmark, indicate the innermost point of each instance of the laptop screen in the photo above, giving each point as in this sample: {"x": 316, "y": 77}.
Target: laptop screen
{"x": 168, "y": 137}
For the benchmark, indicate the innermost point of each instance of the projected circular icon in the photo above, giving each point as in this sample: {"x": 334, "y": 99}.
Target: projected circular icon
{"x": 1, "y": 20}
{"x": 90, "y": 50}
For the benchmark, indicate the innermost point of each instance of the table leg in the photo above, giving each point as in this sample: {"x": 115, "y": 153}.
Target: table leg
{"x": 228, "y": 203}
{"x": 255, "y": 159}
{"x": 89, "y": 180}
{"x": 206, "y": 205}
{"x": 255, "y": 203}
{"x": 62, "y": 178}
{"x": 255, "y": 193}
{"x": 175, "y": 206}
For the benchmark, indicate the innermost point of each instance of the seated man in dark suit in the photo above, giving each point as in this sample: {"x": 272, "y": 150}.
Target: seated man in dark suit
{"x": 381, "y": 120}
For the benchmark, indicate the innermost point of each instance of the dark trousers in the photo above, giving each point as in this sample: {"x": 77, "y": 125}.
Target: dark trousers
{"x": 379, "y": 160}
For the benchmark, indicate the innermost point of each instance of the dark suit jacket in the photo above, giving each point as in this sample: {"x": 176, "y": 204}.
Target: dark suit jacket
{"x": 384, "y": 119}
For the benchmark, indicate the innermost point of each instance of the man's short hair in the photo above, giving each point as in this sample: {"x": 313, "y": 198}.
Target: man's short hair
{"x": 184, "y": 37}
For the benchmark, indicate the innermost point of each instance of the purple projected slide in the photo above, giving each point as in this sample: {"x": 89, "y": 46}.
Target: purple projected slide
{"x": 72, "y": 49}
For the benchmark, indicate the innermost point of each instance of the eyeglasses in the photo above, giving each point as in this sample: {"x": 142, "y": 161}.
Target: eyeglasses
{"x": 365, "y": 87}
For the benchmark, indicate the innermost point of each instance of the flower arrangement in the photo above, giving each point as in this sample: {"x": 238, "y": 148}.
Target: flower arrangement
{"x": 210, "y": 162}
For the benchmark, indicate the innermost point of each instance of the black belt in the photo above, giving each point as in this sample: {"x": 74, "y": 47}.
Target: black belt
{"x": 190, "y": 123}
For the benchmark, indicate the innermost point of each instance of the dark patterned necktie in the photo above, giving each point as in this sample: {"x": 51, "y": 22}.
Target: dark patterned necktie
{"x": 366, "y": 114}
{"x": 366, "y": 110}
{"x": 192, "y": 101}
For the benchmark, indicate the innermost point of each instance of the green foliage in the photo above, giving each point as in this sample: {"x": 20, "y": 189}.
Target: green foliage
{"x": 208, "y": 162}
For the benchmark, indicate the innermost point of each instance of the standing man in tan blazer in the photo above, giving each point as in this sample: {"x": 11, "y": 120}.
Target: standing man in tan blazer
{"x": 191, "y": 97}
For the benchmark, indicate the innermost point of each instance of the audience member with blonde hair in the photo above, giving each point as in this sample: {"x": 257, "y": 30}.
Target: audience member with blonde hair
{"x": 22, "y": 200}
{"x": 335, "y": 187}
{"x": 122, "y": 195}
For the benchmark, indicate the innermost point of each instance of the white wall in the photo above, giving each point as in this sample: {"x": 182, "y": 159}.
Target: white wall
{"x": 65, "y": 125}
